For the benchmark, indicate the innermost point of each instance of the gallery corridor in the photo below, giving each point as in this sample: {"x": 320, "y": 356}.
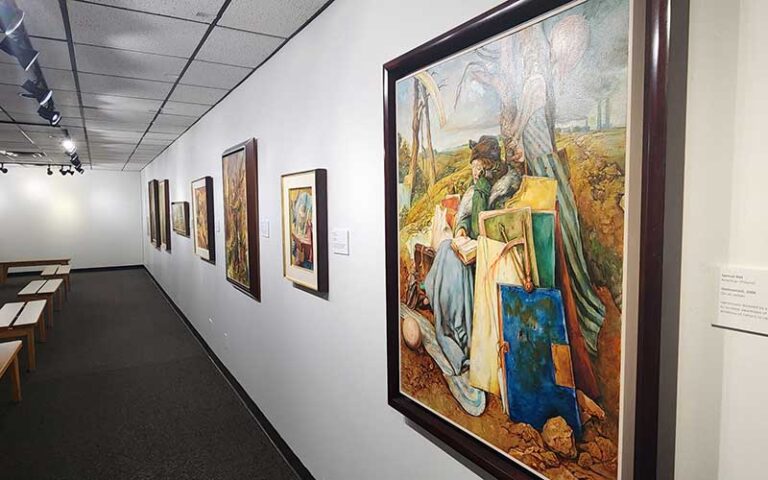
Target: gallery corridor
{"x": 123, "y": 390}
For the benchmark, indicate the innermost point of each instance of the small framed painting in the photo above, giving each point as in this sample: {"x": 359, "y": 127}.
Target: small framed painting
{"x": 241, "y": 217}
{"x": 305, "y": 229}
{"x": 154, "y": 219}
{"x": 202, "y": 219}
{"x": 163, "y": 195}
{"x": 180, "y": 214}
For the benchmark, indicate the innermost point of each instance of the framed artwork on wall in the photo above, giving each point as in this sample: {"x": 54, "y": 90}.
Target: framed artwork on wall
{"x": 180, "y": 214}
{"x": 164, "y": 214}
{"x": 154, "y": 218}
{"x": 241, "y": 216}
{"x": 305, "y": 229}
{"x": 202, "y": 219}
{"x": 516, "y": 181}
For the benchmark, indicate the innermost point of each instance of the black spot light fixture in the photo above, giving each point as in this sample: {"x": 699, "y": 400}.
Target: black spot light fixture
{"x": 17, "y": 45}
{"x": 2, "y": 168}
{"x": 37, "y": 90}
{"x": 10, "y": 17}
{"x": 48, "y": 113}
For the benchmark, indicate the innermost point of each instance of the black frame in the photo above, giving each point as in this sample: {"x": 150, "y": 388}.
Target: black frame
{"x": 165, "y": 227}
{"x": 321, "y": 204}
{"x": 154, "y": 213}
{"x": 185, "y": 208}
{"x": 654, "y": 158}
{"x": 209, "y": 220}
{"x": 252, "y": 193}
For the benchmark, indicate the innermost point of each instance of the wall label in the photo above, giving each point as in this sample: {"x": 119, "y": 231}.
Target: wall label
{"x": 743, "y": 299}
{"x": 340, "y": 241}
{"x": 264, "y": 228}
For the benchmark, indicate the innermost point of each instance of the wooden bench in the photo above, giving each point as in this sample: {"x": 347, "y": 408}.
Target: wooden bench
{"x": 18, "y": 320}
{"x": 59, "y": 271}
{"x": 9, "y": 358}
{"x": 43, "y": 290}
{"x": 5, "y": 265}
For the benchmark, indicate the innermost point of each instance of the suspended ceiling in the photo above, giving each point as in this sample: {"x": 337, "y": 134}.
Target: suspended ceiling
{"x": 142, "y": 71}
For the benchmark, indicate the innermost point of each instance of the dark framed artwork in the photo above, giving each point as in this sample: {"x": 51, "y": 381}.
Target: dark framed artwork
{"x": 305, "y": 229}
{"x": 241, "y": 216}
{"x": 524, "y": 202}
{"x": 154, "y": 216}
{"x": 202, "y": 219}
{"x": 180, "y": 215}
{"x": 164, "y": 213}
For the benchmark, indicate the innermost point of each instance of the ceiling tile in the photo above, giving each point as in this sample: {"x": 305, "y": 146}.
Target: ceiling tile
{"x": 198, "y": 10}
{"x": 237, "y": 48}
{"x": 175, "y": 120}
{"x": 128, "y": 64}
{"x": 112, "y": 27}
{"x": 175, "y": 129}
{"x": 214, "y": 75}
{"x": 190, "y": 109}
{"x": 43, "y": 17}
{"x": 53, "y": 53}
{"x": 123, "y": 87}
{"x": 10, "y": 133}
{"x": 98, "y": 125}
{"x": 276, "y": 17}
{"x": 135, "y": 116}
{"x": 150, "y": 141}
{"x": 124, "y": 103}
{"x": 12, "y": 74}
{"x": 169, "y": 137}
{"x": 200, "y": 95}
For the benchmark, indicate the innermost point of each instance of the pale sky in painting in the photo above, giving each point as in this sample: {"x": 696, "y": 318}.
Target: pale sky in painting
{"x": 600, "y": 73}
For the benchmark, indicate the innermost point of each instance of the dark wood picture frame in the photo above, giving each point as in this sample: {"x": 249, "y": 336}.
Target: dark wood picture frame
{"x": 208, "y": 181}
{"x": 252, "y": 207}
{"x": 321, "y": 228}
{"x": 154, "y": 213}
{"x": 164, "y": 213}
{"x": 185, "y": 213}
{"x": 654, "y": 157}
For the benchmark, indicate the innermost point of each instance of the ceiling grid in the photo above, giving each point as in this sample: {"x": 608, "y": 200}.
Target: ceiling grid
{"x": 131, "y": 76}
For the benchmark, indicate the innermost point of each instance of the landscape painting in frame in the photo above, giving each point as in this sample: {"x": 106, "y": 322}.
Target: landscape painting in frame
{"x": 241, "y": 247}
{"x": 202, "y": 219}
{"x": 164, "y": 214}
{"x": 154, "y": 219}
{"x": 180, "y": 215}
{"x": 304, "y": 224}
{"x": 511, "y": 164}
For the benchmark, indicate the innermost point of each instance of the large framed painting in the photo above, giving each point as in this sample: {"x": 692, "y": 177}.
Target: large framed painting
{"x": 522, "y": 240}
{"x": 180, "y": 215}
{"x": 154, "y": 218}
{"x": 202, "y": 219}
{"x": 164, "y": 212}
{"x": 241, "y": 216}
{"x": 305, "y": 229}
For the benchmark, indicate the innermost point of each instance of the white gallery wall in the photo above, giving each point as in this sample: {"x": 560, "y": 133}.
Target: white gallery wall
{"x": 94, "y": 219}
{"x": 316, "y": 367}
{"x": 722, "y": 392}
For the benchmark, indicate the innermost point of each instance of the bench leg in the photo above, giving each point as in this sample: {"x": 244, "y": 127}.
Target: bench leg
{"x": 50, "y": 311}
{"x": 41, "y": 329}
{"x": 3, "y": 273}
{"x": 31, "y": 354}
{"x": 16, "y": 379}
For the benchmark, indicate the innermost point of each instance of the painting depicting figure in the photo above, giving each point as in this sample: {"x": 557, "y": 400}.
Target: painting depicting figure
{"x": 511, "y": 180}
{"x": 300, "y": 213}
{"x": 236, "y": 218}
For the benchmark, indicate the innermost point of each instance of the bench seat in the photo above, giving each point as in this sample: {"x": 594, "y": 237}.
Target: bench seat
{"x": 9, "y": 360}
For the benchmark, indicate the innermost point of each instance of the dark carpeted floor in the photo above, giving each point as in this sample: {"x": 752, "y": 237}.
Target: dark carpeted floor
{"x": 123, "y": 390}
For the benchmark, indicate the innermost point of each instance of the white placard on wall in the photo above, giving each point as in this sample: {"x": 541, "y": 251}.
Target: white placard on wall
{"x": 743, "y": 299}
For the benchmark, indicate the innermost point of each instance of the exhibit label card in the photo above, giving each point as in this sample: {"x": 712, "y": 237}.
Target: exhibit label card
{"x": 743, "y": 299}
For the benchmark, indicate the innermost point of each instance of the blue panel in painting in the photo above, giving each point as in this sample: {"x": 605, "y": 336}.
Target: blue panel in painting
{"x": 532, "y": 322}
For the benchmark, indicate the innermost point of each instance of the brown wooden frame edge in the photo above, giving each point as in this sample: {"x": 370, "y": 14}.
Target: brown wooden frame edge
{"x": 252, "y": 193}
{"x": 167, "y": 227}
{"x": 654, "y": 153}
{"x": 210, "y": 218}
{"x": 154, "y": 195}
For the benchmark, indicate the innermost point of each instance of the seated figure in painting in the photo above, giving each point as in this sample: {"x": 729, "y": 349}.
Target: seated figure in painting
{"x": 449, "y": 285}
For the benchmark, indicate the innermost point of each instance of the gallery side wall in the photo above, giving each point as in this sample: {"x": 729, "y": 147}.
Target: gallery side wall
{"x": 722, "y": 391}
{"x": 94, "y": 218}
{"x": 316, "y": 367}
